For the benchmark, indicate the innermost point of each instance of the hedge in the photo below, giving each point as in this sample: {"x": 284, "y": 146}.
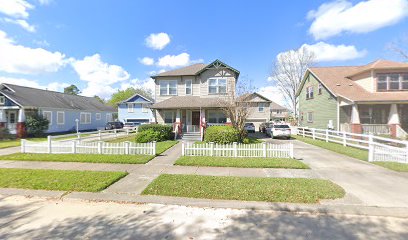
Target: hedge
{"x": 154, "y": 132}
{"x": 221, "y": 134}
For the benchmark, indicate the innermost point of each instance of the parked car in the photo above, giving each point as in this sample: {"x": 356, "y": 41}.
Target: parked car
{"x": 280, "y": 130}
{"x": 249, "y": 127}
{"x": 262, "y": 127}
{"x": 113, "y": 125}
{"x": 130, "y": 125}
{"x": 268, "y": 127}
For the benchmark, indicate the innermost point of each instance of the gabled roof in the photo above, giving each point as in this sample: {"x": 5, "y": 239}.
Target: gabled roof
{"x": 250, "y": 95}
{"x": 34, "y": 98}
{"x": 338, "y": 82}
{"x": 379, "y": 64}
{"x": 195, "y": 69}
{"x": 135, "y": 95}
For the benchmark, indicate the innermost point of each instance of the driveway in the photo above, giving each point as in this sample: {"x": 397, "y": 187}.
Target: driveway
{"x": 365, "y": 183}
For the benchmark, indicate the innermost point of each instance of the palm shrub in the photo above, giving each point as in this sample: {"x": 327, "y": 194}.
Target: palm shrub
{"x": 221, "y": 134}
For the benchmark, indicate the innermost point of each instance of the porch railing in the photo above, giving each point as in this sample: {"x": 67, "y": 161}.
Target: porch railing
{"x": 191, "y": 128}
{"x": 216, "y": 124}
{"x": 12, "y": 127}
{"x": 376, "y": 129}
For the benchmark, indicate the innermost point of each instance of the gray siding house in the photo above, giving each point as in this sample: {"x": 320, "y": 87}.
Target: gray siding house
{"x": 61, "y": 110}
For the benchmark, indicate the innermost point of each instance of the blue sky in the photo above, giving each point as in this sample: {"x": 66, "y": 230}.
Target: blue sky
{"x": 100, "y": 45}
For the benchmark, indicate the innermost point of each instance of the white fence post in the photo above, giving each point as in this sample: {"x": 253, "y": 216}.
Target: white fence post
{"x": 116, "y": 132}
{"x": 49, "y": 144}
{"x": 291, "y": 153}
{"x": 235, "y": 149}
{"x": 182, "y": 149}
{"x": 264, "y": 149}
{"x": 99, "y": 147}
{"x": 344, "y": 139}
{"x": 313, "y": 133}
{"x": 23, "y": 143}
{"x": 127, "y": 145}
{"x": 74, "y": 147}
{"x": 79, "y": 135}
{"x": 154, "y": 147}
{"x": 303, "y": 132}
{"x": 211, "y": 149}
{"x": 327, "y": 135}
{"x": 370, "y": 148}
{"x": 127, "y": 131}
{"x": 100, "y": 135}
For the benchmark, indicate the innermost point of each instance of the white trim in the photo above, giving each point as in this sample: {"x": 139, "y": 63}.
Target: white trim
{"x": 98, "y": 118}
{"x": 217, "y": 86}
{"x": 50, "y": 120}
{"x": 131, "y": 107}
{"x": 14, "y": 101}
{"x": 2, "y": 100}
{"x": 191, "y": 86}
{"x": 108, "y": 117}
{"x": 85, "y": 122}
{"x": 63, "y": 118}
{"x": 168, "y": 87}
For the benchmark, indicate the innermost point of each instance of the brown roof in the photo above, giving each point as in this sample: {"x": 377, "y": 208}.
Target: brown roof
{"x": 337, "y": 81}
{"x": 184, "y": 71}
{"x": 187, "y": 102}
{"x": 379, "y": 64}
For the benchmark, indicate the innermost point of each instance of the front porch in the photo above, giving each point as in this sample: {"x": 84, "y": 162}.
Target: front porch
{"x": 378, "y": 119}
{"x": 13, "y": 119}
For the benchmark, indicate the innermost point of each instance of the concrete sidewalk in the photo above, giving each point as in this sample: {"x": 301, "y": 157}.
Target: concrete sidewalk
{"x": 10, "y": 150}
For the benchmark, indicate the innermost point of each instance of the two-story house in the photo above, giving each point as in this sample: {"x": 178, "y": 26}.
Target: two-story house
{"x": 372, "y": 98}
{"x": 189, "y": 97}
{"x": 278, "y": 113}
{"x": 259, "y": 109}
{"x": 136, "y": 109}
{"x": 64, "y": 112}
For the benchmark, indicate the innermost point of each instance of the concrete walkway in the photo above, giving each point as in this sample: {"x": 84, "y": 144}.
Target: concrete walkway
{"x": 10, "y": 150}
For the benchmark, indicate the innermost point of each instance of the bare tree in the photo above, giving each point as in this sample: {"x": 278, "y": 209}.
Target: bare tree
{"x": 236, "y": 106}
{"x": 288, "y": 71}
{"x": 400, "y": 47}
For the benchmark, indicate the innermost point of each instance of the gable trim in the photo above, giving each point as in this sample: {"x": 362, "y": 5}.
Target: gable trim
{"x": 220, "y": 63}
{"x": 137, "y": 94}
{"x": 302, "y": 83}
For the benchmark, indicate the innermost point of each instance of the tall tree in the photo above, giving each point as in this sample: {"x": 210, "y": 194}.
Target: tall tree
{"x": 122, "y": 95}
{"x": 73, "y": 90}
{"x": 288, "y": 71}
{"x": 99, "y": 99}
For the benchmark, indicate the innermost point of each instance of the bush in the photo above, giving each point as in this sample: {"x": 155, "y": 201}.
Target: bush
{"x": 148, "y": 136}
{"x": 221, "y": 134}
{"x": 4, "y": 133}
{"x": 165, "y": 131}
{"x": 36, "y": 125}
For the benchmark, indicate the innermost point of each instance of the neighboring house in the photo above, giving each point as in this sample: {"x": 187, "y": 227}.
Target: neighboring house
{"x": 189, "y": 97}
{"x": 372, "y": 98}
{"x": 259, "y": 109}
{"x": 278, "y": 113}
{"x": 136, "y": 109}
{"x": 62, "y": 110}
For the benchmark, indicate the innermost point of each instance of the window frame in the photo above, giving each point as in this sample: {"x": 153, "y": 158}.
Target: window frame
{"x": 49, "y": 120}
{"x": 308, "y": 114}
{"x": 167, "y": 82}
{"x": 86, "y": 114}
{"x": 98, "y": 118}
{"x": 217, "y": 116}
{"x": 388, "y": 82}
{"x": 63, "y": 118}
{"x": 217, "y": 86}
{"x": 173, "y": 117}
{"x": 309, "y": 93}
{"x": 2, "y": 100}
{"x": 108, "y": 117}
{"x": 261, "y": 105}
{"x": 131, "y": 107}
{"x": 144, "y": 108}
{"x": 320, "y": 89}
{"x": 190, "y": 87}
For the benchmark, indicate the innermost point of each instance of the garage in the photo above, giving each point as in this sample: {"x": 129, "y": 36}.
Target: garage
{"x": 256, "y": 122}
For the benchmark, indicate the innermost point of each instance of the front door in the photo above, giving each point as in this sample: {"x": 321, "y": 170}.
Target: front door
{"x": 12, "y": 121}
{"x": 195, "y": 121}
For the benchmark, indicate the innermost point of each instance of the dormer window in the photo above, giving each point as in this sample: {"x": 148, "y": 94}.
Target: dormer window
{"x": 2, "y": 100}
{"x": 392, "y": 82}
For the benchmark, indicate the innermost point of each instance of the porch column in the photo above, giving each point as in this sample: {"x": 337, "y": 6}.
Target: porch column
{"x": 355, "y": 120}
{"x": 202, "y": 123}
{"x": 393, "y": 120}
{"x": 178, "y": 121}
{"x": 21, "y": 129}
{"x": 3, "y": 119}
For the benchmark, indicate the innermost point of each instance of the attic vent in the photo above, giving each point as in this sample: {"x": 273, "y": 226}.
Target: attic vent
{"x": 338, "y": 84}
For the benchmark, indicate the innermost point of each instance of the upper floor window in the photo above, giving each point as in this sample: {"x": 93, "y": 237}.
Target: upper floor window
{"x": 261, "y": 107}
{"x": 189, "y": 87}
{"x": 2, "y": 100}
{"x": 130, "y": 107}
{"x": 144, "y": 108}
{"x": 309, "y": 92}
{"x": 320, "y": 88}
{"x": 168, "y": 87}
{"x": 217, "y": 86}
{"x": 392, "y": 82}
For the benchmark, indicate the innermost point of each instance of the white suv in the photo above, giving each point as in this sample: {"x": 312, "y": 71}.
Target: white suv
{"x": 280, "y": 130}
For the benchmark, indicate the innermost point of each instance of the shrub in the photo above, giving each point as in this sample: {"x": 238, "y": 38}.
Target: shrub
{"x": 165, "y": 131}
{"x": 221, "y": 134}
{"x": 4, "y": 133}
{"x": 36, "y": 125}
{"x": 148, "y": 136}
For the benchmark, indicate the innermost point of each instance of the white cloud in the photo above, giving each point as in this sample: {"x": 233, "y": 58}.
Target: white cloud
{"x": 53, "y": 86}
{"x": 336, "y": 17}
{"x": 325, "y": 52}
{"x": 147, "y": 84}
{"x": 147, "y": 61}
{"x": 172, "y": 61}
{"x": 273, "y": 93}
{"x": 93, "y": 69}
{"x": 15, "y": 8}
{"x": 157, "y": 41}
{"x": 45, "y": 2}
{"x": 19, "y": 59}
{"x": 103, "y": 91}
{"x": 22, "y": 23}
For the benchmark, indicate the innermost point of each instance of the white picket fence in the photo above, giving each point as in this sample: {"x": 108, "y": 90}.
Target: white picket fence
{"x": 95, "y": 135}
{"x": 379, "y": 148}
{"x": 266, "y": 150}
{"x": 81, "y": 147}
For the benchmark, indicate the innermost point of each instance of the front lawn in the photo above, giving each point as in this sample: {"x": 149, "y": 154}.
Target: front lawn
{"x": 60, "y": 180}
{"x": 9, "y": 143}
{"x": 241, "y": 162}
{"x": 353, "y": 152}
{"x": 91, "y": 158}
{"x": 294, "y": 190}
{"x": 160, "y": 146}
